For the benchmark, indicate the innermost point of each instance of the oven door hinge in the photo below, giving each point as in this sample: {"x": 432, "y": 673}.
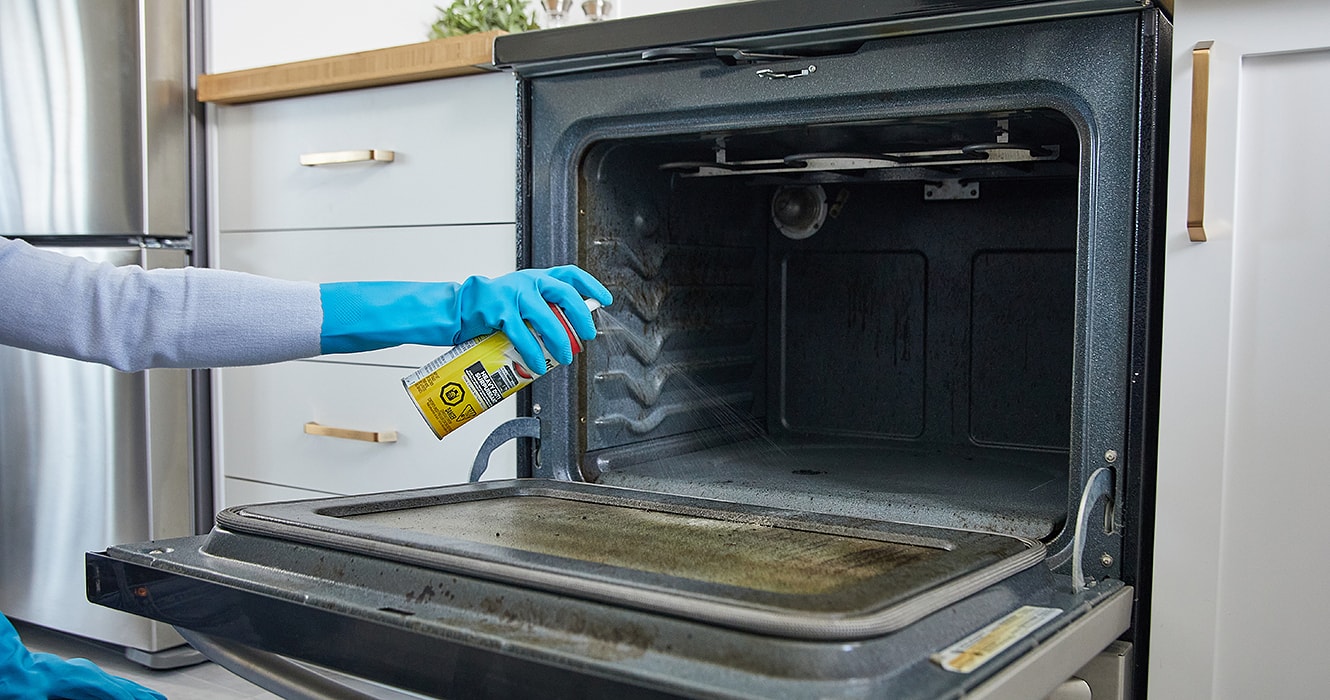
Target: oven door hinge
{"x": 1099, "y": 487}
{"x": 508, "y": 430}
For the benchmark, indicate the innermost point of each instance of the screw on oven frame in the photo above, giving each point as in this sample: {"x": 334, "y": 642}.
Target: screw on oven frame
{"x": 1106, "y": 559}
{"x": 535, "y": 409}
{"x": 1111, "y": 456}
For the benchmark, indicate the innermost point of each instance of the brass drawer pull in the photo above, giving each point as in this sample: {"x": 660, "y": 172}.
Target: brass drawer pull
{"x": 313, "y": 428}
{"x": 1200, "y": 113}
{"x": 333, "y": 157}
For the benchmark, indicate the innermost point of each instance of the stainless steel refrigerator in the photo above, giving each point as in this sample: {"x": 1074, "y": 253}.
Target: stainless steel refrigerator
{"x": 95, "y": 161}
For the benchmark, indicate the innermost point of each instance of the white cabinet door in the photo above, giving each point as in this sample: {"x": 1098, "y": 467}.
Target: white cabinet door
{"x": 1241, "y": 549}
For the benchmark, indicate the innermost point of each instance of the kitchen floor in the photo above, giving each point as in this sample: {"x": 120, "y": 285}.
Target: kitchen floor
{"x": 205, "y": 681}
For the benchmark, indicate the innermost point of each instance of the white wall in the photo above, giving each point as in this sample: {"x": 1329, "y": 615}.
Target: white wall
{"x": 251, "y": 33}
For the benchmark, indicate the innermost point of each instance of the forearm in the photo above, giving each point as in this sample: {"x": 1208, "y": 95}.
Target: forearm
{"x": 132, "y": 319}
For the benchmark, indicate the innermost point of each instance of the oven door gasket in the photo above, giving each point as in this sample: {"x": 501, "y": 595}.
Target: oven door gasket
{"x": 877, "y": 576}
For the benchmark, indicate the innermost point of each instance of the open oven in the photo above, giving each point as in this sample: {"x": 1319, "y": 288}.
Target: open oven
{"x": 871, "y": 415}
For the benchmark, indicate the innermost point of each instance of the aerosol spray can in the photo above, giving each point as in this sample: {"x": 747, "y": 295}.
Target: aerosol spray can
{"x": 475, "y": 375}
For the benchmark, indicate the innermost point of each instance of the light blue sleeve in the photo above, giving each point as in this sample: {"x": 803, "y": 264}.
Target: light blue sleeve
{"x": 133, "y": 319}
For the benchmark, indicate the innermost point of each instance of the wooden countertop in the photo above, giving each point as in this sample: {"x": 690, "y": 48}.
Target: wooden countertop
{"x": 441, "y": 58}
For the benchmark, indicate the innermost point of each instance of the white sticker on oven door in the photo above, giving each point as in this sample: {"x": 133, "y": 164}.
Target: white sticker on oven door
{"x": 975, "y": 650}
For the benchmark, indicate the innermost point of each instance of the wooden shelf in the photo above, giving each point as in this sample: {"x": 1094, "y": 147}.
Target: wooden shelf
{"x": 441, "y": 58}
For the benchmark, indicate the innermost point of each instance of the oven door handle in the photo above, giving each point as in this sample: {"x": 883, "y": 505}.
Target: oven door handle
{"x": 272, "y": 672}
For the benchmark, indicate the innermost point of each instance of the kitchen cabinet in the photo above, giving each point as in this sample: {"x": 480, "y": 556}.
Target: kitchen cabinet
{"x": 266, "y": 411}
{"x": 451, "y": 143}
{"x": 441, "y": 209}
{"x": 1240, "y": 549}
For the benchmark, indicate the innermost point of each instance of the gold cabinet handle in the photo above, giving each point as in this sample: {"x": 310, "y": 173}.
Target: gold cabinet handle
{"x": 333, "y": 157}
{"x": 313, "y": 428}
{"x": 1200, "y": 115}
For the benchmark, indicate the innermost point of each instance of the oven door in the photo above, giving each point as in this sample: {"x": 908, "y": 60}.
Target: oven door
{"x": 559, "y": 589}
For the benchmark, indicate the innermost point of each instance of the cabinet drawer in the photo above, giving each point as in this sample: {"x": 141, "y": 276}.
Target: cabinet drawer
{"x": 264, "y": 410}
{"x": 447, "y": 253}
{"x": 454, "y": 157}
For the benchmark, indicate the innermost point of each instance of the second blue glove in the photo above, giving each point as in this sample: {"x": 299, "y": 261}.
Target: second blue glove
{"x": 24, "y": 674}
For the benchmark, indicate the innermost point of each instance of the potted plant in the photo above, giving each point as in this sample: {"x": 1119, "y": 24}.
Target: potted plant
{"x": 471, "y": 16}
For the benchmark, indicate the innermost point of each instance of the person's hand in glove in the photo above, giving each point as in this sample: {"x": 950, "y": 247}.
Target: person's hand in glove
{"x": 360, "y": 316}
{"x": 24, "y": 674}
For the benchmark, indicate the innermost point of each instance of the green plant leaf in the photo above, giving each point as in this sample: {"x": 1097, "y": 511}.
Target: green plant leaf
{"x": 471, "y": 16}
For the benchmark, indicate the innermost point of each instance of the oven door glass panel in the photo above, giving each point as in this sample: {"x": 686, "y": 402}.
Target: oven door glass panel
{"x": 764, "y": 570}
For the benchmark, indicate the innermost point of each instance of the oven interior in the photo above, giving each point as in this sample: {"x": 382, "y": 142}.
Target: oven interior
{"x": 872, "y": 318}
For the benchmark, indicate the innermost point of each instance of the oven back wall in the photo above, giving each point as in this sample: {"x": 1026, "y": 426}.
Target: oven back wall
{"x": 935, "y": 322}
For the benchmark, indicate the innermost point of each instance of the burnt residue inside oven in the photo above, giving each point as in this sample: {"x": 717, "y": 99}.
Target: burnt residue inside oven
{"x": 873, "y": 318}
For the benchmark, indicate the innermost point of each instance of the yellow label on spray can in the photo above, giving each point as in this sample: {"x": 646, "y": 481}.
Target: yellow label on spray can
{"x": 475, "y": 375}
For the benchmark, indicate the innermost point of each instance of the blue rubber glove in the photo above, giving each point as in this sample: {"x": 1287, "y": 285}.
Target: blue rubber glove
{"x": 24, "y": 674}
{"x": 360, "y": 316}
